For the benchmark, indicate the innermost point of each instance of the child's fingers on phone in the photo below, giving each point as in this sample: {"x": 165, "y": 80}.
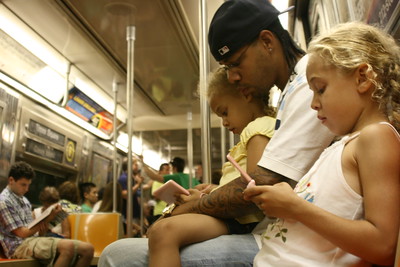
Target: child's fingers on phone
{"x": 251, "y": 183}
{"x": 182, "y": 198}
{"x": 206, "y": 188}
{"x": 251, "y": 192}
{"x": 194, "y": 191}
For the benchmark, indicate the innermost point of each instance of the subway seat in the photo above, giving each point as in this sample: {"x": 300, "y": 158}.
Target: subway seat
{"x": 99, "y": 229}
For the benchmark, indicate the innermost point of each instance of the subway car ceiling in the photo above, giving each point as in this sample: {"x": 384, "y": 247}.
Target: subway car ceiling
{"x": 91, "y": 36}
{"x": 87, "y": 44}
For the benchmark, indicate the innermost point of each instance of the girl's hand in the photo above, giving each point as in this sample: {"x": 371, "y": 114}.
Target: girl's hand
{"x": 277, "y": 200}
{"x": 205, "y": 188}
{"x": 182, "y": 198}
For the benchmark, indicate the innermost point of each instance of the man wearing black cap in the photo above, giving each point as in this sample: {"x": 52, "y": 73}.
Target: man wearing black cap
{"x": 247, "y": 37}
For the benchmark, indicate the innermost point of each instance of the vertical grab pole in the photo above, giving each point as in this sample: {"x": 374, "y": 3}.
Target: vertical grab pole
{"x": 67, "y": 73}
{"x": 231, "y": 139}
{"x": 169, "y": 150}
{"x": 223, "y": 144}
{"x": 141, "y": 191}
{"x": 115, "y": 91}
{"x": 190, "y": 146}
{"x": 204, "y": 108}
{"x": 130, "y": 37}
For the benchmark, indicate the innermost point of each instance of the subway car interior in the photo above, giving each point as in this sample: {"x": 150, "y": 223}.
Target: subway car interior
{"x": 85, "y": 84}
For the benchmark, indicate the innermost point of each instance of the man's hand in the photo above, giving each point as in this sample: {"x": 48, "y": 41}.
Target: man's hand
{"x": 43, "y": 228}
{"x": 138, "y": 179}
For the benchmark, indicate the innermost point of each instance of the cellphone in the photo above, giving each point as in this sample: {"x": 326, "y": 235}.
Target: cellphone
{"x": 250, "y": 181}
{"x": 167, "y": 191}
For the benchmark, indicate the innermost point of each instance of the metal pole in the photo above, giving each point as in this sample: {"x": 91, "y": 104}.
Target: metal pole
{"x": 231, "y": 139}
{"x": 66, "y": 92}
{"x": 190, "y": 146}
{"x": 141, "y": 210}
{"x": 169, "y": 150}
{"x": 223, "y": 144}
{"x": 141, "y": 191}
{"x": 130, "y": 37}
{"x": 204, "y": 108}
{"x": 115, "y": 132}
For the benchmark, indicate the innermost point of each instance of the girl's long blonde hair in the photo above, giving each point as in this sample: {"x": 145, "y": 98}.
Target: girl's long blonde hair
{"x": 348, "y": 45}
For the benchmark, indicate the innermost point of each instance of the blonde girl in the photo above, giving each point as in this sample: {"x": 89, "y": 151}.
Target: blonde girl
{"x": 345, "y": 210}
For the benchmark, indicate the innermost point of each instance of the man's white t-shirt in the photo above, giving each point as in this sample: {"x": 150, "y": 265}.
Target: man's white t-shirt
{"x": 299, "y": 136}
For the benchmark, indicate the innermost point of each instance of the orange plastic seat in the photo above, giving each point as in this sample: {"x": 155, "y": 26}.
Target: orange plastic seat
{"x": 99, "y": 229}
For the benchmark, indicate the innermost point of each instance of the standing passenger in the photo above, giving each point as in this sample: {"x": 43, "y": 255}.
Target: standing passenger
{"x": 160, "y": 204}
{"x": 178, "y": 165}
{"x": 137, "y": 179}
{"x": 198, "y": 172}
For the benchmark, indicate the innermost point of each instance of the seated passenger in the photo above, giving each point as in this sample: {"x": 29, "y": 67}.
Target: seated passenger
{"x": 345, "y": 210}
{"x": 107, "y": 201}
{"x": 97, "y": 205}
{"x": 246, "y": 36}
{"x": 241, "y": 114}
{"x": 19, "y": 241}
{"x": 49, "y": 196}
{"x": 88, "y": 195}
{"x": 69, "y": 195}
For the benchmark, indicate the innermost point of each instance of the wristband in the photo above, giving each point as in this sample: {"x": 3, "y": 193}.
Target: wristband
{"x": 167, "y": 212}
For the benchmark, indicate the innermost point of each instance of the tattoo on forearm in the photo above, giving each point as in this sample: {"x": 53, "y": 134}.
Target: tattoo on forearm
{"x": 266, "y": 177}
{"x": 227, "y": 201}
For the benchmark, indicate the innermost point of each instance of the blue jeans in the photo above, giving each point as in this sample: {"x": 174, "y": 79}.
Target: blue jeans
{"x": 223, "y": 251}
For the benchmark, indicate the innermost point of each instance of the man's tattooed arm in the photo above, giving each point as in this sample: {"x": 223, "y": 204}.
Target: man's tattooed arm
{"x": 227, "y": 201}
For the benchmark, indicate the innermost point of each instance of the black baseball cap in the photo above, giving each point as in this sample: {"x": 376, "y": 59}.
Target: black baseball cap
{"x": 238, "y": 22}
